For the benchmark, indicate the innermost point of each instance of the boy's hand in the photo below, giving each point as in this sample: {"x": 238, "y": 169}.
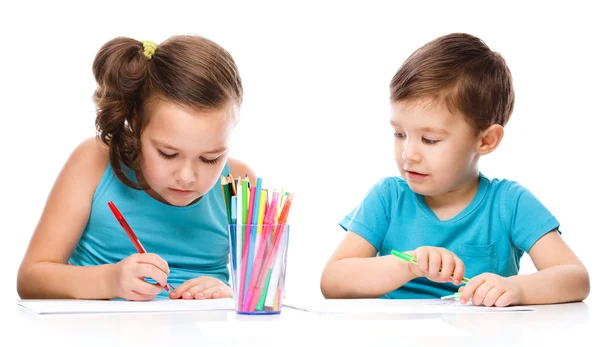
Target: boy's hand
{"x": 437, "y": 264}
{"x": 203, "y": 287}
{"x": 129, "y": 274}
{"x": 490, "y": 290}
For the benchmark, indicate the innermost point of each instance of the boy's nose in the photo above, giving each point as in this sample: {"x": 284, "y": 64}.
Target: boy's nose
{"x": 410, "y": 152}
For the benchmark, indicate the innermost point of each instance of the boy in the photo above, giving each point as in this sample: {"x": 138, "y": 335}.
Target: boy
{"x": 450, "y": 101}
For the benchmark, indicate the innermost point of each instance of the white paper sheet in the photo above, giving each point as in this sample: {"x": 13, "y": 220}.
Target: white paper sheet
{"x": 375, "y": 306}
{"x": 332, "y": 329}
{"x": 121, "y": 306}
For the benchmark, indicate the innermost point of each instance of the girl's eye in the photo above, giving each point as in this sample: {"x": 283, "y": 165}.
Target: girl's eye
{"x": 400, "y": 135}
{"x": 165, "y": 155}
{"x": 429, "y": 141}
{"x": 210, "y": 161}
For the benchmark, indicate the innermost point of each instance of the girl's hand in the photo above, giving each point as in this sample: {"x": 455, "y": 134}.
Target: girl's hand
{"x": 490, "y": 290}
{"x": 128, "y": 277}
{"x": 203, "y": 287}
{"x": 437, "y": 264}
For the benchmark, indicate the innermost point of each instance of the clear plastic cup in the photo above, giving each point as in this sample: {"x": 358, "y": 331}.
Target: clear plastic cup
{"x": 258, "y": 256}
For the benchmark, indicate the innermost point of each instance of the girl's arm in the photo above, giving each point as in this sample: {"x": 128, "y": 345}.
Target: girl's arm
{"x": 561, "y": 276}
{"x": 354, "y": 272}
{"x": 43, "y": 272}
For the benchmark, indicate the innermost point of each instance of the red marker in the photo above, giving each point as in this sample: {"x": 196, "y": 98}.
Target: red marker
{"x": 131, "y": 234}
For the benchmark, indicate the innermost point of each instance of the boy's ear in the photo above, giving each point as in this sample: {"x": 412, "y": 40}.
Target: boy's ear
{"x": 489, "y": 139}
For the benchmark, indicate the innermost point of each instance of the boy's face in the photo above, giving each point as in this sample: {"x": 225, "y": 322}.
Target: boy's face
{"x": 435, "y": 149}
{"x": 183, "y": 152}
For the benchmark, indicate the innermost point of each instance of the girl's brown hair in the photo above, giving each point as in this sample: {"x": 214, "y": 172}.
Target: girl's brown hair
{"x": 187, "y": 70}
{"x": 462, "y": 71}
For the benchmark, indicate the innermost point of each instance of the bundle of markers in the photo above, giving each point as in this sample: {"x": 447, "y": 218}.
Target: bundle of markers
{"x": 258, "y": 236}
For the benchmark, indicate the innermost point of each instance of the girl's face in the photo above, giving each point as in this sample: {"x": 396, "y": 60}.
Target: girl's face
{"x": 184, "y": 151}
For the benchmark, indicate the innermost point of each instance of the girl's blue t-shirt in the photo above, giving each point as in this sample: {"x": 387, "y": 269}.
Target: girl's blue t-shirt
{"x": 192, "y": 239}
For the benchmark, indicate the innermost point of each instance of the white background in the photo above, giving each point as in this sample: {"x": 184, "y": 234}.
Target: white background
{"x": 316, "y": 94}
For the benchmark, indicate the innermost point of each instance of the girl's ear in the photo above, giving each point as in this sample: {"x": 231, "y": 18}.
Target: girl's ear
{"x": 489, "y": 139}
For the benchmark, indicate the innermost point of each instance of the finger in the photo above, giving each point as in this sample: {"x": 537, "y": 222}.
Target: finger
{"x": 459, "y": 271}
{"x": 183, "y": 291}
{"x": 470, "y": 288}
{"x": 448, "y": 265}
{"x": 191, "y": 292}
{"x": 226, "y": 292}
{"x": 504, "y": 300}
{"x": 177, "y": 293}
{"x": 435, "y": 262}
{"x": 146, "y": 288}
{"x": 480, "y": 293}
{"x": 209, "y": 292}
{"x": 422, "y": 260}
{"x": 492, "y": 296}
{"x": 187, "y": 295}
{"x": 154, "y": 259}
{"x": 143, "y": 270}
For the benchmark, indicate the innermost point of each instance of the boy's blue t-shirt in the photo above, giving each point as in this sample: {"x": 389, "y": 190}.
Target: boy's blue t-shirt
{"x": 490, "y": 235}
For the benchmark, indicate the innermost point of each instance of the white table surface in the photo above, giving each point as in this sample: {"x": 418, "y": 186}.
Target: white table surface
{"x": 574, "y": 324}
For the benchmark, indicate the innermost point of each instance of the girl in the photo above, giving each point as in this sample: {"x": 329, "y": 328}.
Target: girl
{"x": 164, "y": 118}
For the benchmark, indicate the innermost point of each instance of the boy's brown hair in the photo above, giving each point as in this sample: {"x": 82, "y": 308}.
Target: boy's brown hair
{"x": 461, "y": 71}
{"x": 187, "y": 70}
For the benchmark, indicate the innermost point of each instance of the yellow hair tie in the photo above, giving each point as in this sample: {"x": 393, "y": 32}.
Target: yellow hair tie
{"x": 149, "y": 48}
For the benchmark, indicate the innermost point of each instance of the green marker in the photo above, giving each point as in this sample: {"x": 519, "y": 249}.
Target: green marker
{"x": 406, "y": 257}
{"x": 263, "y": 295}
{"x": 455, "y": 296}
{"x": 412, "y": 259}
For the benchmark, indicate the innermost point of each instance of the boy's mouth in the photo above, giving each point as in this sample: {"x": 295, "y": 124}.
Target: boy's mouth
{"x": 415, "y": 174}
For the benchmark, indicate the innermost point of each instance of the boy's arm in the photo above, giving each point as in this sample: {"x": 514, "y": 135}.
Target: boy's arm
{"x": 561, "y": 276}
{"x": 354, "y": 272}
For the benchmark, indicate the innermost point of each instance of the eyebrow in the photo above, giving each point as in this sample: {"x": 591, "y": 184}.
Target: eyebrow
{"x": 434, "y": 130}
{"x": 167, "y": 146}
{"x": 424, "y": 129}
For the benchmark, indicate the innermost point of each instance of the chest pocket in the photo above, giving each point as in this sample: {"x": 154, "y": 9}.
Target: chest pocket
{"x": 478, "y": 259}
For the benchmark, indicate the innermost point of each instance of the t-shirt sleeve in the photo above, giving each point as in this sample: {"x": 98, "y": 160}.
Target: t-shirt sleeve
{"x": 527, "y": 218}
{"x": 371, "y": 218}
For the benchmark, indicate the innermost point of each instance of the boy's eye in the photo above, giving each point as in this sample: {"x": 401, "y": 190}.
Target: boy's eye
{"x": 429, "y": 141}
{"x": 210, "y": 161}
{"x": 400, "y": 135}
{"x": 165, "y": 155}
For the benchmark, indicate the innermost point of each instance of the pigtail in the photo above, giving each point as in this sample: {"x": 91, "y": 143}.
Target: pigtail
{"x": 186, "y": 70}
{"x": 121, "y": 72}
